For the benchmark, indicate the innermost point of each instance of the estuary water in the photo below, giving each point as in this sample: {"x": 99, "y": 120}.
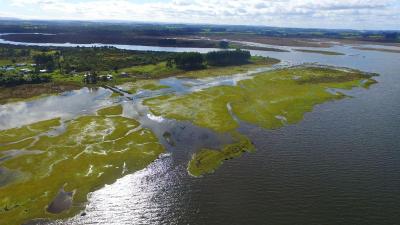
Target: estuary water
{"x": 340, "y": 165}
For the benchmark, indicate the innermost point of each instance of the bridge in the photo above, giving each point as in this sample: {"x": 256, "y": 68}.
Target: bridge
{"x": 119, "y": 91}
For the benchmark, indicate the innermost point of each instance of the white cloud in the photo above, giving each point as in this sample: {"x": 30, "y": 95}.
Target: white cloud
{"x": 298, "y": 13}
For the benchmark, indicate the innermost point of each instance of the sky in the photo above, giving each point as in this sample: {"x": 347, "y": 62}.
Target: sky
{"x": 348, "y": 14}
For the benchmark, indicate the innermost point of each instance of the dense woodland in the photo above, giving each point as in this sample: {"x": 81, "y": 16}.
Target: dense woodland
{"x": 193, "y": 60}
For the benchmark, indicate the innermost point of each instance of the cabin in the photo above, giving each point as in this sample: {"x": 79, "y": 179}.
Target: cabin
{"x": 43, "y": 71}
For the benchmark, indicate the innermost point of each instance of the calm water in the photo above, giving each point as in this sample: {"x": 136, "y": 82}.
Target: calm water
{"x": 340, "y": 165}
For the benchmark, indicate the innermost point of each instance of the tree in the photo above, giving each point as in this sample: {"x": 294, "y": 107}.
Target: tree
{"x": 91, "y": 78}
{"x": 226, "y": 58}
{"x": 44, "y": 61}
{"x": 223, "y": 44}
{"x": 189, "y": 60}
{"x": 391, "y": 36}
{"x": 170, "y": 63}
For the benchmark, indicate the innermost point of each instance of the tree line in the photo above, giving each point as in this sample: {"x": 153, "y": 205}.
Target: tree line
{"x": 194, "y": 60}
{"x": 9, "y": 80}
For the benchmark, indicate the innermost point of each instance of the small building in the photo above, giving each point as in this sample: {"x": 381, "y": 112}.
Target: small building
{"x": 20, "y": 64}
{"x": 43, "y": 71}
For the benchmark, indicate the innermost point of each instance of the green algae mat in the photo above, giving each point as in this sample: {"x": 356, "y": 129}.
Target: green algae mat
{"x": 269, "y": 100}
{"x": 49, "y": 167}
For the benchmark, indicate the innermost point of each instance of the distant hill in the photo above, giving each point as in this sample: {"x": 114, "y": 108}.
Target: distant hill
{"x": 8, "y": 18}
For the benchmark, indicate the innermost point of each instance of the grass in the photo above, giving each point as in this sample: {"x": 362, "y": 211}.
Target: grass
{"x": 255, "y": 62}
{"x": 208, "y": 160}
{"x": 16, "y": 134}
{"x": 161, "y": 70}
{"x": 134, "y": 87}
{"x": 270, "y": 100}
{"x": 111, "y": 111}
{"x": 141, "y": 78}
{"x": 33, "y": 91}
{"x": 92, "y": 151}
{"x": 4, "y": 62}
{"x": 319, "y": 52}
{"x": 152, "y": 71}
{"x": 57, "y": 77}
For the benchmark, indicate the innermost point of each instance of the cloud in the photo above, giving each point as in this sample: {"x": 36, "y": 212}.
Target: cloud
{"x": 297, "y": 13}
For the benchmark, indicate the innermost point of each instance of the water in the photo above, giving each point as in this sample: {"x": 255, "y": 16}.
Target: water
{"x": 340, "y": 165}
{"x": 126, "y": 47}
{"x": 67, "y": 106}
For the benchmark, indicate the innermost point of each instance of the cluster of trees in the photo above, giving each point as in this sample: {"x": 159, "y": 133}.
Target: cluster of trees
{"x": 227, "y": 58}
{"x": 194, "y": 60}
{"x": 15, "y": 79}
{"x": 107, "y": 59}
{"x": 189, "y": 61}
{"x": 14, "y": 53}
{"x": 80, "y": 59}
{"x": 45, "y": 61}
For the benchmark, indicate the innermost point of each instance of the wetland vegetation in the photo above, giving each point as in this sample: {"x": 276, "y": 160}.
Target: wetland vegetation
{"x": 28, "y": 72}
{"x": 269, "y": 100}
{"x": 76, "y": 156}
{"x": 48, "y": 168}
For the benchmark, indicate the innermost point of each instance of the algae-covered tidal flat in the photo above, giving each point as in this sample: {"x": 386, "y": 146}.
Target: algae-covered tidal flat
{"x": 269, "y": 100}
{"x": 52, "y": 165}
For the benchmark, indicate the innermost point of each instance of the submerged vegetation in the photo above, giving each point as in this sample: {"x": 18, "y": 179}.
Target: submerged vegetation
{"x": 52, "y": 165}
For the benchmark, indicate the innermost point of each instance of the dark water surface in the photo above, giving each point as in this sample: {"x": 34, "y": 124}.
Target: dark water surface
{"x": 340, "y": 165}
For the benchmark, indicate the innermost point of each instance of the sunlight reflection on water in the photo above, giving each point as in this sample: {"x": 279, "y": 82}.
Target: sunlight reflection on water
{"x": 66, "y": 106}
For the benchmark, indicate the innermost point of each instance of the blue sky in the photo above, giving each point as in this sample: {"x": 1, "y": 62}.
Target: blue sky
{"x": 355, "y": 14}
